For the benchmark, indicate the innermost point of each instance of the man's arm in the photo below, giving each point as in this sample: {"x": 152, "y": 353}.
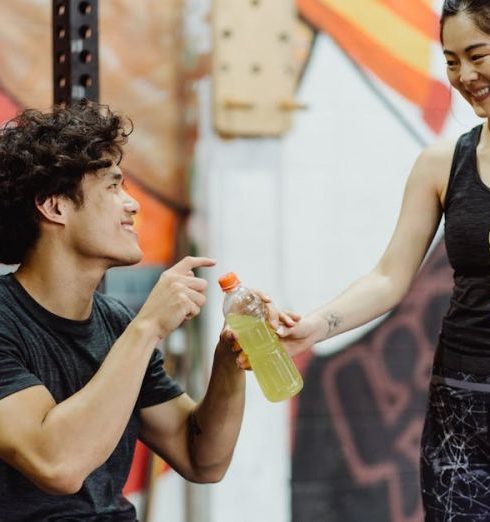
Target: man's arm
{"x": 58, "y": 445}
{"x": 198, "y": 440}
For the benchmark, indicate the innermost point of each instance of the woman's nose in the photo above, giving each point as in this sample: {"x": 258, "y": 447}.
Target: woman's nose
{"x": 468, "y": 73}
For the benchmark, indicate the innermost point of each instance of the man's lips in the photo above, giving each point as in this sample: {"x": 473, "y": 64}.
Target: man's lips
{"x": 128, "y": 225}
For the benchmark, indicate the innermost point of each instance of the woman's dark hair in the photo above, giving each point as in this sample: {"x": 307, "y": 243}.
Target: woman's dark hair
{"x": 44, "y": 154}
{"x": 478, "y": 10}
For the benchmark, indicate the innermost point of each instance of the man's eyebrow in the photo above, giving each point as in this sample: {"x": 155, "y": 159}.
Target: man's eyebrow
{"x": 116, "y": 176}
{"x": 468, "y": 49}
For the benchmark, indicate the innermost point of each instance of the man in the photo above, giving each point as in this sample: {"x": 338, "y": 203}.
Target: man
{"x": 80, "y": 379}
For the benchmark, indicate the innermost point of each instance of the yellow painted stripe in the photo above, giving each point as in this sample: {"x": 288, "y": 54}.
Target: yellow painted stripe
{"x": 421, "y": 16}
{"x": 383, "y": 26}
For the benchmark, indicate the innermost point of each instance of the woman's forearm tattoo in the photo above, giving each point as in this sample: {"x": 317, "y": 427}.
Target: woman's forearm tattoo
{"x": 333, "y": 322}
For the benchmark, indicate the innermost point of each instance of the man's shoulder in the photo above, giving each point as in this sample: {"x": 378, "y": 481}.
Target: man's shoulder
{"x": 112, "y": 313}
{"x": 12, "y": 313}
{"x": 112, "y": 308}
{"x": 5, "y": 282}
{"x": 8, "y": 301}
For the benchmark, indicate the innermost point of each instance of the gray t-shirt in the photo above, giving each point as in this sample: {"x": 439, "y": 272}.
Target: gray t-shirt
{"x": 40, "y": 348}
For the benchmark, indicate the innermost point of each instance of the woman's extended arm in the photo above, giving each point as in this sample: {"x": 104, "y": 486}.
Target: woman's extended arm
{"x": 383, "y": 287}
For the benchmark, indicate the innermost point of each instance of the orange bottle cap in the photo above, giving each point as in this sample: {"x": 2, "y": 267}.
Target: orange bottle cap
{"x": 228, "y": 281}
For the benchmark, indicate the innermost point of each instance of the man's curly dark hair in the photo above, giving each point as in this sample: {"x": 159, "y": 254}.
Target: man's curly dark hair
{"x": 44, "y": 154}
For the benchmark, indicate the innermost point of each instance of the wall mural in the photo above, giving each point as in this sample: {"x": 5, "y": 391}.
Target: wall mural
{"x": 392, "y": 40}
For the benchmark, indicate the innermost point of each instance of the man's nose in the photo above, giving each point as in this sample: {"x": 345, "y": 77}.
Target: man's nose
{"x": 131, "y": 205}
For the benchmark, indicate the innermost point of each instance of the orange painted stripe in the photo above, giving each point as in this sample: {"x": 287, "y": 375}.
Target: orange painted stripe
{"x": 417, "y": 13}
{"x": 398, "y": 75}
{"x": 156, "y": 226}
{"x": 384, "y": 27}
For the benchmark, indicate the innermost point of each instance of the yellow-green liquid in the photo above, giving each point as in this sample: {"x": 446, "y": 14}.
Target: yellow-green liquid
{"x": 274, "y": 370}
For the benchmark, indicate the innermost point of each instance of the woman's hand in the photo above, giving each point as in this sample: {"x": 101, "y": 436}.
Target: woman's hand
{"x": 301, "y": 336}
{"x": 275, "y": 318}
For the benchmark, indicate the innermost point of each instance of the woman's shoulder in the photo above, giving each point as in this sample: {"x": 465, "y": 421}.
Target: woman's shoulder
{"x": 433, "y": 167}
{"x": 435, "y": 161}
{"x": 439, "y": 153}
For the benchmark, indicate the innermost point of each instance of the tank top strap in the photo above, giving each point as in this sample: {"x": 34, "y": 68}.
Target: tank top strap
{"x": 464, "y": 160}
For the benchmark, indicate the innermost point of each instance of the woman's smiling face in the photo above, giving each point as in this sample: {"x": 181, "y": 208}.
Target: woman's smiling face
{"x": 467, "y": 52}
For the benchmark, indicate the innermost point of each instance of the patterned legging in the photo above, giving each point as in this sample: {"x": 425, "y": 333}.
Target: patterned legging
{"x": 455, "y": 457}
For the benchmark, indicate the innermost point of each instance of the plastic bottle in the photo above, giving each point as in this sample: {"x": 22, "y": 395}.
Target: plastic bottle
{"x": 245, "y": 314}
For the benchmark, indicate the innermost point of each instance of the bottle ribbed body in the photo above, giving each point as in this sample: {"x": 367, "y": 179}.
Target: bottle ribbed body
{"x": 276, "y": 374}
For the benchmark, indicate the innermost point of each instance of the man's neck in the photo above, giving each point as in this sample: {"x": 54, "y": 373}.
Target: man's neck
{"x": 62, "y": 288}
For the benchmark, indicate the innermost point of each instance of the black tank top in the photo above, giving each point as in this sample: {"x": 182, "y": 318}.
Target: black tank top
{"x": 465, "y": 335}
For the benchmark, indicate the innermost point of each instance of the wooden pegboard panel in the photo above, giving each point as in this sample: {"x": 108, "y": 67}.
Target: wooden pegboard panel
{"x": 253, "y": 66}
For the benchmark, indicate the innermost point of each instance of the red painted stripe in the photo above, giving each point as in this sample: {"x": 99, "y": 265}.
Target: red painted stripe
{"x": 8, "y": 108}
{"x": 138, "y": 475}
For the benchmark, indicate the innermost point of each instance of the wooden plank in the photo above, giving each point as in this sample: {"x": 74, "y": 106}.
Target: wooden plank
{"x": 253, "y": 66}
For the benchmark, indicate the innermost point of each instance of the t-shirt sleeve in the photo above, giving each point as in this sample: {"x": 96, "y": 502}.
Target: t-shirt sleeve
{"x": 14, "y": 374}
{"x": 157, "y": 385}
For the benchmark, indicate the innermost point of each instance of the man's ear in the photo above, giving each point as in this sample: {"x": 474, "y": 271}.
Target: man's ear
{"x": 54, "y": 209}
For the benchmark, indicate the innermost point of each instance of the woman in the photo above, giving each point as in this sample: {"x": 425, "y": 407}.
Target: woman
{"x": 452, "y": 178}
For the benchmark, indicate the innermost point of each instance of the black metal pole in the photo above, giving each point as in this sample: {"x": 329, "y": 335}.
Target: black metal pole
{"x": 75, "y": 51}
{"x": 76, "y": 55}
